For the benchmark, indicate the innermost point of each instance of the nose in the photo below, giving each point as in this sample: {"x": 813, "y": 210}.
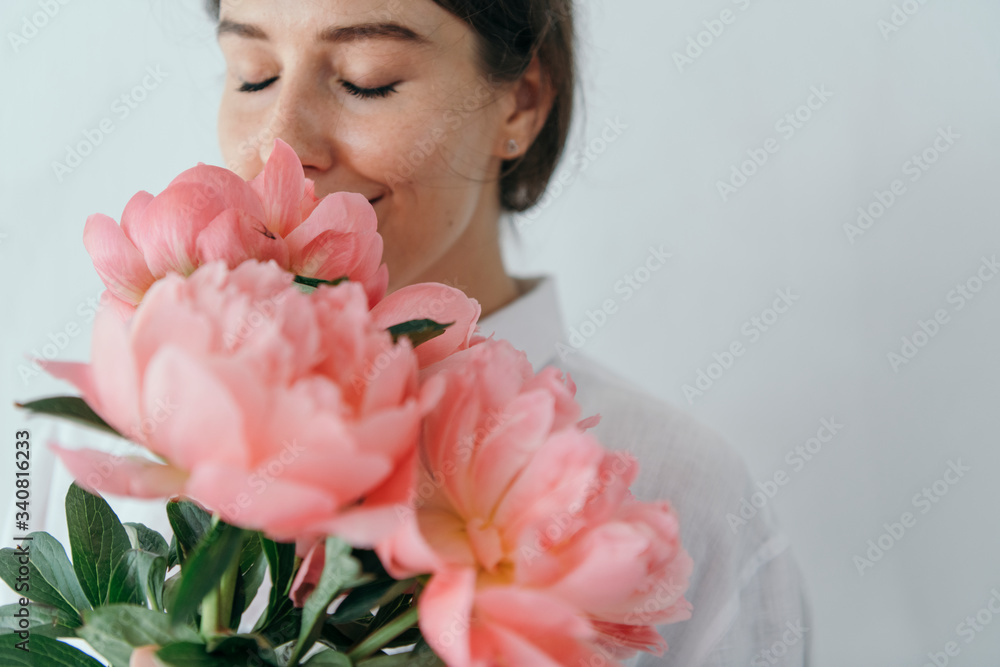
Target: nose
{"x": 300, "y": 118}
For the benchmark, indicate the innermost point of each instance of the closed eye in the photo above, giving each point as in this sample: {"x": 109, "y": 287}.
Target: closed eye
{"x": 369, "y": 93}
{"x": 253, "y": 87}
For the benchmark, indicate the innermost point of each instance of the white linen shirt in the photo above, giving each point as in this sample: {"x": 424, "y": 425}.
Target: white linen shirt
{"x": 748, "y": 598}
{"x": 746, "y": 590}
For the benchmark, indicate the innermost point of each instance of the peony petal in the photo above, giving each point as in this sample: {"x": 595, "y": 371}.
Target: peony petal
{"x": 201, "y": 422}
{"x": 336, "y": 238}
{"x": 328, "y": 256}
{"x": 115, "y": 380}
{"x": 437, "y": 302}
{"x": 169, "y": 227}
{"x": 531, "y": 628}
{"x": 284, "y": 509}
{"x": 281, "y": 188}
{"x": 133, "y": 212}
{"x": 101, "y": 472}
{"x": 445, "y": 610}
{"x": 625, "y": 640}
{"x": 309, "y": 574}
{"x": 544, "y": 504}
{"x": 405, "y": 553}
{"x": 510, "y": 441}
{"x": 118, "y": 262}
{"x": 235, "y": 236}
{"x": 376, "y": 286}
{"x": 76, "y": 373}
{"x": 145, "y": 656}
{"x": 379, "y": 514}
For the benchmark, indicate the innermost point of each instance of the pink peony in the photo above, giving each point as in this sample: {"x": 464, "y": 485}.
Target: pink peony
{"x": 538, "y": 551}
{"x": 209, "y": 213}
{"x": 145, "y": 656}
{"x": 285, "y": 412}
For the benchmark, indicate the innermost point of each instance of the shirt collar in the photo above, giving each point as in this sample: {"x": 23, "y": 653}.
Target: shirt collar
{"x": 533, "y": 322}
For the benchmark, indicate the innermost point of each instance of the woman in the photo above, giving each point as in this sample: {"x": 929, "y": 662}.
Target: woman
{"x": 446, "y": 114}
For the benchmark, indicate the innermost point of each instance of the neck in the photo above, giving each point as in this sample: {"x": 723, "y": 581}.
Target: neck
{"x": 474, "y": 264}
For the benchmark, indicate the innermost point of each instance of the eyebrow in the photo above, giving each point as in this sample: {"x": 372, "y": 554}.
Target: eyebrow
{"x": 343, "y": 34}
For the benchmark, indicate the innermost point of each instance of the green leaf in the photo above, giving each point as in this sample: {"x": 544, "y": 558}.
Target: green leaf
{"x": 284, "y": 629}
{"x": 173, "y": 552}
{"x": 329, "y": 659}
{"x": 253, "y": 567}
{"x": 343, "y": 636}
{"x": 243, "y": 646}
{"x": 313, "y": 283}
{"x": 72, "y": 408}
{"x": 205, "y": 567}
{"x": 370, "y": 562}
{"x": 190, "y": 524}
{"x": 170, "y": 587}
{"x": 394, "y": 660}
{"x": 51, "y": 578}
{"x": 360, "y": 602}
{"x": 97, "y": 539}
{"x": 143, "y": 537}
{"x": 340, "y": 571}
{"x": 391, "y": 610}
{"x": 42, "y": 650}
{"x": 281, "y": 563}
{"x": 116, "y": 629}
{"x": 420, "y": 656}
{"x": 190, "y": 654}
{"x": 42, "y": 620}
{"x": 138, "y": 579}
{"x": 418, "y": 331}
{"x": 236, "y": 651}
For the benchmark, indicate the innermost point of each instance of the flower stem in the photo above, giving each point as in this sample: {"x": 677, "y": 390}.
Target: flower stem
{"x": 384, "y": 635}
{"x": 217, "y": 607}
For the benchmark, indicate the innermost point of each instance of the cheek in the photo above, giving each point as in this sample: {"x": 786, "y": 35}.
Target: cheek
{"x": 241, "y": 135}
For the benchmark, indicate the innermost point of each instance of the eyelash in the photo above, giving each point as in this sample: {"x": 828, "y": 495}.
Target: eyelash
{"x": 357, "y": 91}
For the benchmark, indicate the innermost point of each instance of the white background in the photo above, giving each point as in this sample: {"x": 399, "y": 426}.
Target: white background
{"x": 655, "y": 183}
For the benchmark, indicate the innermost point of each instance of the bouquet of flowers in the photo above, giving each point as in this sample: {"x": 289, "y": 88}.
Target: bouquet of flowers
{"x": 413, "y": 492}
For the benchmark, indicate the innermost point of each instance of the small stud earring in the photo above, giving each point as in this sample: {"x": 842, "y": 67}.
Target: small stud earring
{"x": 511, "y": 146}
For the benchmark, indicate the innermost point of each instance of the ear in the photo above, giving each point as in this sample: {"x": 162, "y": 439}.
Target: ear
{"x": 526, "y": 106}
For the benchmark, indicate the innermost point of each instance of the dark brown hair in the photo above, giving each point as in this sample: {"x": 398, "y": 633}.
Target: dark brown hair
{"x": 510, "y": 33}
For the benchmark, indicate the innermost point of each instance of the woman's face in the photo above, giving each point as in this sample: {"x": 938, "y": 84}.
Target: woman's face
{"x": 379, "y": 97}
